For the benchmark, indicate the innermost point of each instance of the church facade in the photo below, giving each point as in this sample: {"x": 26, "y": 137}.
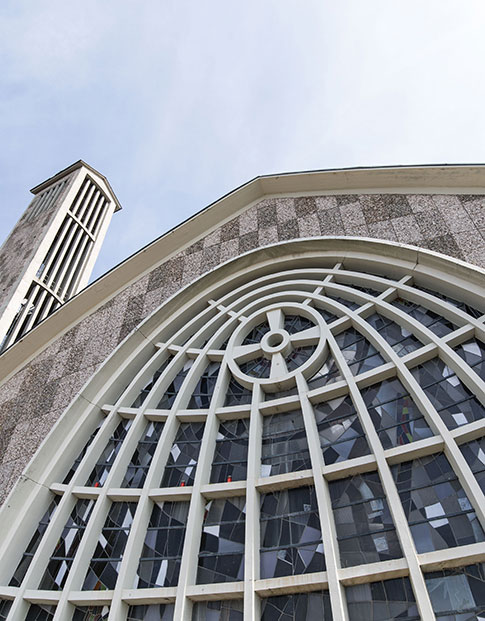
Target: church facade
{"x": 274, "y": 411}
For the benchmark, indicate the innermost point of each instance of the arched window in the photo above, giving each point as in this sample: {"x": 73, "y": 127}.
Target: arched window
{"x": 300, "y": 438}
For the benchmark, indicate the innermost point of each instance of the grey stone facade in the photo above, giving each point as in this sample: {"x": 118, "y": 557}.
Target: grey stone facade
{"x": 33, "y": 399}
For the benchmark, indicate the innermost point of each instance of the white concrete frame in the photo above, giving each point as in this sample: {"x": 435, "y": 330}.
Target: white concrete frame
{"x": 279, "y": 278}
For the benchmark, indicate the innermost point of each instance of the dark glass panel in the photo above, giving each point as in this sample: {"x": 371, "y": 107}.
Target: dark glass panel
{"x": 359, "y": 354}
{"x": 90, "y": 613}
{"x": 40, "y": 612}
{"x": 182, "y": 462}
{"x": 231, "y": 452}
{"x": 103, "y": 466}
{"x": 291, "y": 538}
{"x": 237, "y": 394}
{"x": 5, "y": 606}
{"x": 172, "y": 391}
{"x": 474, "y": 453}
{"x": 202, "y": 395}
{"x": 473, "y": 353}
{"x": 458, "y": 594}
{"x": 257, "y": 367}
{"x": 299, "y": 356}
{"x": 396, "y": 417}
{"x": 437, "y": 324}
{"x": 348, "y": 303}
{"x": 270, "y": 396}
{"x": 61, "y": 560}
{"x": 31, "y": 549}
{"x": 436, "y": 506}
{"x": 297, "y": 323}
{"x": 454, "y": 402}
{"x": 221, "y": 554}
{"x": 285, "y": 447}
{"x": 140, "y": 400}
{"x": 365, "y": 529}
{"x": 151, "y": 612}
{"x": 382, "y": 601}
{"x": 327, "y": 315}
{"x": 474, "y": 312}
{"x": 256, "y": 334}
{"x": 162, "y": 551}
{"x": 223, "y": 610}
{"x": 79, "y": 458}
{"x": 399, "y": 338}
{"x": 141, "y": 459}
{"x": 297, "y": 607}
{"x": 340, "y": 430}
{"x": 104, "y": 566}
{"x": 328, "y": 374}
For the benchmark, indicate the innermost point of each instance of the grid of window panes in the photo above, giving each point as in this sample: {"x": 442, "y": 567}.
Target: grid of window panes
{"x": 371, "y": 453}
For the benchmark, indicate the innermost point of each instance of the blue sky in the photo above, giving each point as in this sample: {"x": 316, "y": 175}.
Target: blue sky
{"x": 178, "y": 102}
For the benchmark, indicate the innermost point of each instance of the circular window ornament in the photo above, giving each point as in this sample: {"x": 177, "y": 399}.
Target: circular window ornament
{"x": 271, "y": 346}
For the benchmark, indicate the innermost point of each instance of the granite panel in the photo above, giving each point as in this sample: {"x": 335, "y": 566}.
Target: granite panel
{"x": 34, "y": 398}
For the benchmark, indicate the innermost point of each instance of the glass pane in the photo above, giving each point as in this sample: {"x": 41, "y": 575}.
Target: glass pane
{"x": 140, "y": 400}
{"x": 474, "y": 453}
{"x": 224, "y": 610}
{"x": 79, "y": 458}
{"x": 202, "y": 395}
{"x": 182, "y": 462}
{"x": 285, "y": 447}
{"x": 340, "y": 431}
{"x": 359, "y": 354}
{"x": 396, "y": 417}
{"x": 5, "y": 606}
{"x": 105, "y": 462}
{"x": 61, "y": 560}
{"x": 473, "y": 352}
{"x": 90, "y": 613}
{"x": 313, "y": 606}
{"x": 436, "y": 506}
{"x": 221, "y": 554}
{"x": 231, "y": 452}
{"x": 399, "y": 338}
{"x": 31, "y": 549}
{"x": 458, "y": 594}
{"x": 151, "y": 612}
{"x": 365, "y": 528}
{"x": 172, "y": 391}
{"x": 40, "y": 612}
{"x": 291, "y": 539}
{"x": 105, "y": 564}
{"x": 139, "y": 465}
{"x": 454, "y": 402}
{"x": 437, "y": 324}
{"x": 160, "y": 558}
{"x": 382, "y": 601}
{"x": 237, "y": 394}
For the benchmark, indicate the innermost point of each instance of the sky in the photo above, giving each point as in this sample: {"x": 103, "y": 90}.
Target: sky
{"x": 177, "y": 102}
